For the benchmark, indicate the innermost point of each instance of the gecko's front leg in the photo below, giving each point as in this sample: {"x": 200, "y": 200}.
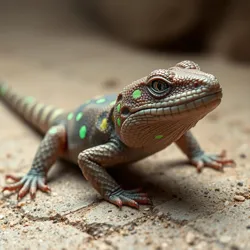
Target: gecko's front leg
{"x": 91, "y": 162}
{"x": 52, "y": 144}
{"x": 189, "y": 146}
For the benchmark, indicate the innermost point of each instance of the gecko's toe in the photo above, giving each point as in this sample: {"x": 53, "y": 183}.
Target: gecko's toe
{"x": 13, "y": 186}
{"x": 24, "y": 190}
{"x": 129, "y": 202}
{"x": 217, "y": 162}
{"x": 33, "y": 189}
{"x": 42, "y": 186}
{"x": 12, "y": 177}
{"x": 30, "y": 183}
{"x": 115, "y": 200}
{"x": 131, "y": 198}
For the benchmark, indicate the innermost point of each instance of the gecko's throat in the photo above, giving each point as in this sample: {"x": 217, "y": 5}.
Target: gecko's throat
{"x": 164, "y": 125}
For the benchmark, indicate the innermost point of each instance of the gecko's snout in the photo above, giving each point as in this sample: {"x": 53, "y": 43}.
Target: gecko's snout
{"x": 208, "y": 82}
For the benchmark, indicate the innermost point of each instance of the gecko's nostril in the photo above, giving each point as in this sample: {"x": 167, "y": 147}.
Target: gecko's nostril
{"x": 119, "y": 98}
{"x": 196, "y": 85}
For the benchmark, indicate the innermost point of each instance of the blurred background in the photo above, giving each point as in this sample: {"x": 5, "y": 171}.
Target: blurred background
{"x": 211, "y": 26}
{"x": 110, "y": 40}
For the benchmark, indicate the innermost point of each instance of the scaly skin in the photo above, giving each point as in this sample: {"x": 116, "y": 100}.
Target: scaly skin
{"x": 146, "y": 117}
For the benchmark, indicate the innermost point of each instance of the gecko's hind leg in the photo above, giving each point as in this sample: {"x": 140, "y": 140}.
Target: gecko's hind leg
{"x": 51, "y": 146}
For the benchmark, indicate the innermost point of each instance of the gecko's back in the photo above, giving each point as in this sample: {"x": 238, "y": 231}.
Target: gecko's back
{"x": 86, "y": 126}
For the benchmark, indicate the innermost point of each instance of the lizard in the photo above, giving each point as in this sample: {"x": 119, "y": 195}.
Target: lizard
{"x": 145, "y": 117}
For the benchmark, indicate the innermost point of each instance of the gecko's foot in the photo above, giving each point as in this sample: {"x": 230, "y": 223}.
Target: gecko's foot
{"x": 131, "y": 198}
{"x": 27, "y": 184}
{"x": 214, "y": 161}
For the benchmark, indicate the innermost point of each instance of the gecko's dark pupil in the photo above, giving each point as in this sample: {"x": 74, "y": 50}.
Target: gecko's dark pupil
{"x": 159, "y": 86}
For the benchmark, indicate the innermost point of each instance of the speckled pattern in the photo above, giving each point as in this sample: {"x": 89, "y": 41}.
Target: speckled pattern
{"x": 144, "y": 118}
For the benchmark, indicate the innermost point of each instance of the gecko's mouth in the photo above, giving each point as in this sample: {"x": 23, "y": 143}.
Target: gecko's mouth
{"x": 205, "y": 103}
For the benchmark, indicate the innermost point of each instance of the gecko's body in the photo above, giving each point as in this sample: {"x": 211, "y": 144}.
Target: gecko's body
{"x": 146, "y": 117}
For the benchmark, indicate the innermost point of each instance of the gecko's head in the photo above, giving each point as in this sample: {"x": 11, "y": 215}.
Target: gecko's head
{"x": 159, "y": 108}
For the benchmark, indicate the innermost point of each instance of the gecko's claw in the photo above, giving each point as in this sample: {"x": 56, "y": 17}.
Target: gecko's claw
{"x": 217, "y": 162}
{"x": 131, "y": 198}
{"x": 28, "y": 184}
{"x": 13, "y": 178}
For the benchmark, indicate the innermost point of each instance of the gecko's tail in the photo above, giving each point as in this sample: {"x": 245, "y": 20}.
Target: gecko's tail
{"x": 37, "y": 114}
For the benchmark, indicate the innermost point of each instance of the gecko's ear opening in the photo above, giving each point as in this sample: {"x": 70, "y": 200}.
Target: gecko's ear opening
{"x": 188, "y": 65}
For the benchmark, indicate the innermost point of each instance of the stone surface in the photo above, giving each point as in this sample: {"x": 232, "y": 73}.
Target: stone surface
{"x": 42, "y": 235}
{"x": 66, "y": 70}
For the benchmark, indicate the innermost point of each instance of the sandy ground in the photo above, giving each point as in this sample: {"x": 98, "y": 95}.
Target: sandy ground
{"x": 190, "y": 211}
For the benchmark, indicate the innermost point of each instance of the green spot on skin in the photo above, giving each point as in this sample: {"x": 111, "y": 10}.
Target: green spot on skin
{"x": 3, "y": 90}
{"x": 119, "y": 122}
{"x": 118, "y": 107}
{"x": 83, "y": 132}
{"x": 112, "y": 103}
{"x": 136, "y": 94}
{"x": 79, "y": 116}
{"x": 102, "y": 100}
{"x": 53, "y": 131}
{"x": 158, "y": 137}
{"x": 70, "y": 116}
{"x": 29, "y": 99}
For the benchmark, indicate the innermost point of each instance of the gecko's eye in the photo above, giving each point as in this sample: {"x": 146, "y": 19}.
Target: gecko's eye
{"x": 159, "y": 87}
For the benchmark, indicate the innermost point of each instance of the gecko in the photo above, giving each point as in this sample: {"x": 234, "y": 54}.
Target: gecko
{"x": 144, "y": 118}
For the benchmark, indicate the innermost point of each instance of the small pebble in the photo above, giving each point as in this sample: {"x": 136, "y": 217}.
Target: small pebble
{"x": 20, "y": 204}
{"x": 243, "y": 156}
{"x": 1, "y": 216}
{"x": 25, "y": 230}
{"x": 12, "y": 224}
{"x": 8, "y": 155}
{"x": 226, "y": 203}
{"x": 160, "y": 214}
{"x": 108, "y": 242}
{"x": 239, "y": 198}
{"x": 164, "y": 246}
{"x": 240, "y": 183}
{"x": 146, "y": 209}
{"x": 225, "y": 239}
{"x": 234, "y": 247}
{"x": 202, "y": 245}
{"x": 190, "y": 238}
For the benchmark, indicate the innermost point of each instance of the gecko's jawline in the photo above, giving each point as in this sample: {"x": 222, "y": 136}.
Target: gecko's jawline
{"x": 208, "y": 102}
